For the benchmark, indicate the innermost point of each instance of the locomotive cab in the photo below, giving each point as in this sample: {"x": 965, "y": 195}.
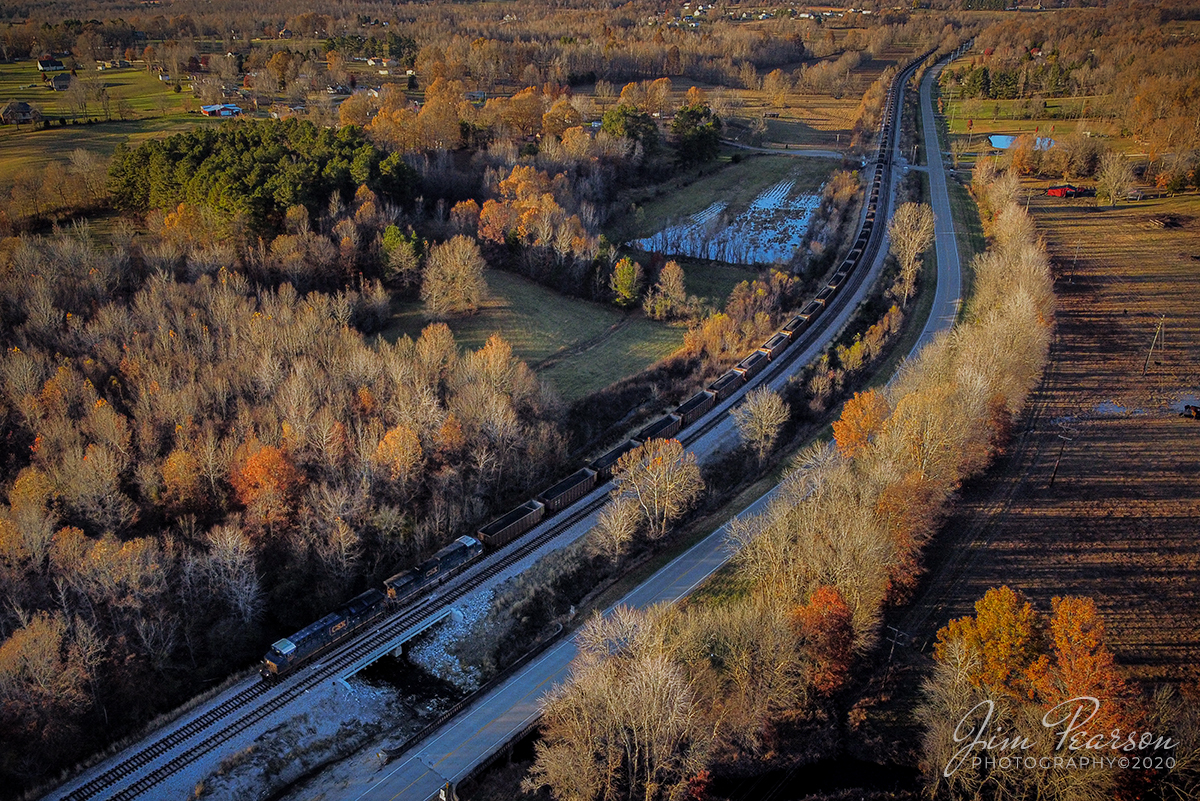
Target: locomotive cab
{"x": 277, "y": 659}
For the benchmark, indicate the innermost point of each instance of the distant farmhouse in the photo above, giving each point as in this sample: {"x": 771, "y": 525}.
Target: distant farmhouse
{"x": 16, "y": 112}
{"x": 221, "y": 110}
{"x": 50, "y": 65}
{"x": 60, "y": 83}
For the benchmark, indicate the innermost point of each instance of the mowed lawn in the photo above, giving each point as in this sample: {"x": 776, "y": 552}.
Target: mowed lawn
{"x": 630, "y": 349}
{"x": 578, "y": 346}
{"x": 24, "y": 148}
{"x": 34, "y": 149}
{"x": 21, "y": 80}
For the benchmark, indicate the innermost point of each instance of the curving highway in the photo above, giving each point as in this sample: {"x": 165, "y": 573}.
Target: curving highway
{"x": 452, "y": 752}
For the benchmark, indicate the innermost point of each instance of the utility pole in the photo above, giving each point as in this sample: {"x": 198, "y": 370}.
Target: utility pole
{"x": 1062, "y": 445}
{"x": 1157, "y": 331}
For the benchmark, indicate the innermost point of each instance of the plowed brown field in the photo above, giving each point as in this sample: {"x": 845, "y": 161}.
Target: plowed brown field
{"x": 1120, "y": 519}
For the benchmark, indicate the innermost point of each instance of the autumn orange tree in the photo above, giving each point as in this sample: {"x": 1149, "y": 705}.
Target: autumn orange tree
{"x": 530, "y": 211}
{"x": 826, "y": 626}
{"x": 182, "y": 481}
{"x": 862, "y": 418}
{"x": 1019, "y": 667}
{"x": 399, "y": 454}
{"x": 1007, "y": 634}
{"x": 267, "y": 483}
{"x": 1079, "y": 663}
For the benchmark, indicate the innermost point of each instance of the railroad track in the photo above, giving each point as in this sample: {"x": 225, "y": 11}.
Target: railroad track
{"x": 827, "y": 319}
{"x": 232, "y": 716}
{"x": 323, "y": 670}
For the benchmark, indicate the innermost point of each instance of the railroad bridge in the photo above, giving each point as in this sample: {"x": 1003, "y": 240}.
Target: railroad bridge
{"x": 395, "y": 645}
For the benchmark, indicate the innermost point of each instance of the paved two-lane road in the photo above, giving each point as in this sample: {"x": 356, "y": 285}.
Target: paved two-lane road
{"x": 949, "y": 271}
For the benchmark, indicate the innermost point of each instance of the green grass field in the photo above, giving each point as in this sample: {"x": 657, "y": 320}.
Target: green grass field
{"x": 22, "y": 81}
{"x": 712, "y": 281}
{"x": 34, "y": 149}
{"x": 630, "y": 349}
{"x": 23, "y": 148}
{"x": 536, "y": 321}
{"x": 1009, "y": 116}
{"x": 578, "y": 346}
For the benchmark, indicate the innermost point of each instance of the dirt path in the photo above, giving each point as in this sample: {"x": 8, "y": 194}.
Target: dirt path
{"x": 788, "y": 150}
{"x": 1099, "y": 494}
{"x": 584, "y": 346}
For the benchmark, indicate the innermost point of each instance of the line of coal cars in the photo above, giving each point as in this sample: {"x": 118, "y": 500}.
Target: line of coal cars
{"x": 291, "y": 652}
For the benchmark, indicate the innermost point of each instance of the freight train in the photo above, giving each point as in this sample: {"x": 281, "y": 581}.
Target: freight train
{"x": 512, "y": 525}
{"x": 291, "y": 652}
{"x": 288, "y": 654}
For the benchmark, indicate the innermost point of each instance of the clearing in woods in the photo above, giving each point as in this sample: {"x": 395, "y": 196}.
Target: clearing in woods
{"x": 1115, "y": 517}
{"x": 578, "y": 346}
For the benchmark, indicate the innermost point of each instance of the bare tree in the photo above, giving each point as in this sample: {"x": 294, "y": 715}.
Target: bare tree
{"x": 759, "y": 419}
{"x": 340, "y": 550}
{"x": 958, "y": 149}
{"x": 92, "y": 171}
{"x": 615, "y": 526}
{"x": 662, "y": 479}
{"x": 761, "y": 665}
{"x": 949, "y": 694}
{"x": 102, "y": 96}
{"x": 628, "y": 724}
{"x": 453, "y": 278}
{"x": 78, "y": 95}
{"x": 91, "y": 482}
{"x": 231, "y": 572}
{"x": 1114, "y": 178}
{"x": 911, "y": 232}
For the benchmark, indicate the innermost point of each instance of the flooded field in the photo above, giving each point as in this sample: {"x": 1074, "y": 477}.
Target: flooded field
{"x": 769, "y": 230}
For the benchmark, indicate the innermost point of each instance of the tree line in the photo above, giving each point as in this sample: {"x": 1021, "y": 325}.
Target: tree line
{"x": 255, "y": 170}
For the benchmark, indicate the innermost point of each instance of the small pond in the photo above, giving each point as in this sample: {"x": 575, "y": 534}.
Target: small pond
{"x": 1004, "y": 141}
